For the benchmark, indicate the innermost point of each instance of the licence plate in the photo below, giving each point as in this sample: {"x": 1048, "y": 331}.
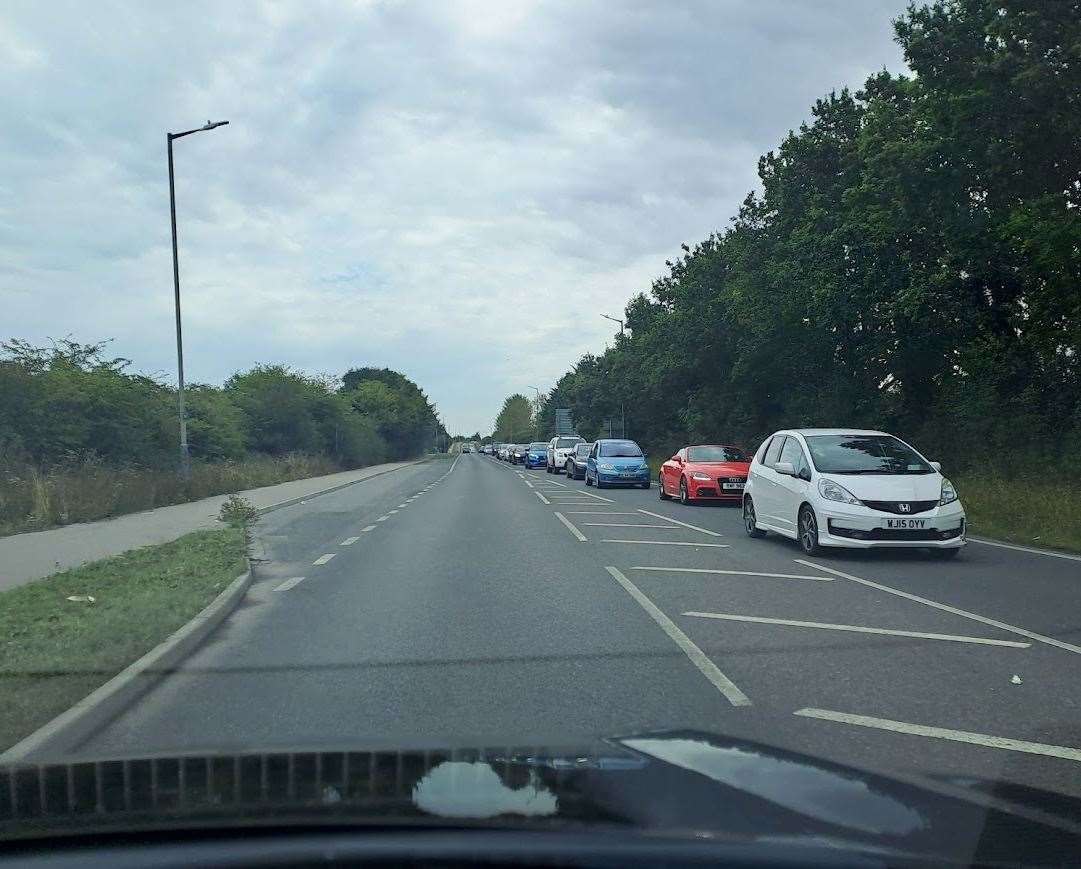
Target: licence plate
{"x": 628, "y": 473}
{"x": 731, "y": 485}
{"x": 904, "y": 523}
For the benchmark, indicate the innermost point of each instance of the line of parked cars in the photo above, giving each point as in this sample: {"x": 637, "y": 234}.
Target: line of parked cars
{"x": 850, "y": 488}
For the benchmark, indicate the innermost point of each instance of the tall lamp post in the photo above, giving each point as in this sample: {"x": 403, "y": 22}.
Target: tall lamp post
{"x": 614, "y": 320}
{"x": 185, "y": 458}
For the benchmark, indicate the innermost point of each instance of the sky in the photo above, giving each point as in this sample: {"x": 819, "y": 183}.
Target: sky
{"x": 454, "y": 189}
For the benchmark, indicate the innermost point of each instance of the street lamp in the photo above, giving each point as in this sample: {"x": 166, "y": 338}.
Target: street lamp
{"x": 185, "y": 458}
{"x": 614, "y": 320}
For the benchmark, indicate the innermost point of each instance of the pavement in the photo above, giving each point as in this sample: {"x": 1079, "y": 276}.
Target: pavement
{"x": 30, "y": 556}
{"x": 465, "y": 601}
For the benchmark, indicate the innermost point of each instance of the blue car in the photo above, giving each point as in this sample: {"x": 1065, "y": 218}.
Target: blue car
{"x": 614, "y": 462}
{"x": 536, "y": 455}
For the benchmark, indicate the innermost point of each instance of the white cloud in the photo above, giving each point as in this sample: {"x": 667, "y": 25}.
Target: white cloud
{"x": 456, "y": 190}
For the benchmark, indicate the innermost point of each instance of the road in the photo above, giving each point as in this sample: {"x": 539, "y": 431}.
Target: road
{"x": 468, "y": 602}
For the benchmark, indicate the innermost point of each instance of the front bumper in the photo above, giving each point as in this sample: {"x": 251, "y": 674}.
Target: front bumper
{"x": 713, "y": 489}
{"x": 854, "y": 527}
{"x": 536, "y": 463}
{"x": 615, "y": 478}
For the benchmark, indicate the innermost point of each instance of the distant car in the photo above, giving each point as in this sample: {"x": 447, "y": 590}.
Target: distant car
{"x": 486, "y": 449}
{"x": 536, "y": 455}
{"x": 559, "y": 448}
{"x": 575, "y": 466}
{"x": 851, "y": 488}
{"x": 501, "y": 452}
{"x": 705, "y": 472}
{"x": 517, "y": 454}
{"x": 616, "y": 462}
{"x": 467, "y": 449}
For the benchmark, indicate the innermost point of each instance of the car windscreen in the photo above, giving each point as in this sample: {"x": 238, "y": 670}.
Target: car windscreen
{"x": 564, "y": 443}
{"x": 583, "y": 450}
{"x": 716, "y": 454}
{"x": 864, "y": 454}
{"x": 537, "y": 447}
{"x": 624, "y": 449}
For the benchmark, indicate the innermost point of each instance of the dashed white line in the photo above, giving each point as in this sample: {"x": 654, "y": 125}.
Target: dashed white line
{"x": 684, "y": 524}
{"x": 570, "y": 526}
{"x": 382, "y": 519}
{"x": 670, "y": 543}
{"x": 349, "y": 541}
{"x": 629, "y": 525}
{"x": 736, "y": 573}
{"x": 391, "y": 512}
{"x": 859, "y": 629}
{"x": 290, "y": 583}
{"x": 982, "y": 739}
{"x": 529, "y": 484}
{"x": 539, "y": 495}
{"x": 323, "y": 559}
{"x": 705, "y": 666}
{"x": 1051, "y": 641}
{"x": 367, "y": 528}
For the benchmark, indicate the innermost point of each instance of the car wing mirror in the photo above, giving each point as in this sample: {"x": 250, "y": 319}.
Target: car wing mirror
{"x": 936, "y": 465}
{"x": 804, "y": 474}
{"x": 785, "y": 468}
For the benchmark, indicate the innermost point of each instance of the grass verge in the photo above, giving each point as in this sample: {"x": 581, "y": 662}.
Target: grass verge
{"x": 1026, "y": 511}
{"x": 56, "y": 651}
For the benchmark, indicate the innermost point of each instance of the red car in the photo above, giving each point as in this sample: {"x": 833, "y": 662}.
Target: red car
{"x": 707, "y": 472}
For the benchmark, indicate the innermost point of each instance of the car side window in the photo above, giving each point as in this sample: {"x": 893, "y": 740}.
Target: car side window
{"x": 792, "y": 452}
{"x": 593, "y": 452}
{"x": 774, "y": 451}
{"x": 683, "y": 454}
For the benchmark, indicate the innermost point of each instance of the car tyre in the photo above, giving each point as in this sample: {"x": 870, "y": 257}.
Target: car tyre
{"x": 660, "y": 488}
{"x": 750, "y": 519}
{"x": 647, "y": 484}
{"x": 807, "y": 525}
{"x": 600, "y": 485}
{"x": 588, "y": 483}
{"x": 684, "y": 496}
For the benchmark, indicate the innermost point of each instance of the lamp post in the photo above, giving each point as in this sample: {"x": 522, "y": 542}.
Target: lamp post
{"x": 185, "y": 458}
{"x": 614, "y": 320}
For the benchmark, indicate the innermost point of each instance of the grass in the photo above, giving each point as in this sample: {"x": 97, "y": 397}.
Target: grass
{"x": 31, "y": 500}
{"x": 56, "y": 651}
{"x": 1024, "y": 510}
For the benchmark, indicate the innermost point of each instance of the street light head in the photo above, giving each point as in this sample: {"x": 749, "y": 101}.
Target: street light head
{"x": 210, "y": 125}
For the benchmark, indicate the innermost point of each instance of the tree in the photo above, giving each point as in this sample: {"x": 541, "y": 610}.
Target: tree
{"x": 514, "y": 424}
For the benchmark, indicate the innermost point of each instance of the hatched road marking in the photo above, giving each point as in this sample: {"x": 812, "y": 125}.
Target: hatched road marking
{"x": 349, "y": 541}
{"x": 290, "y": 583}
{"x": 368, "y": 528}
{"x": 670, "y": 543}
{"x": 323, "y": 559}
{"x": 684, "y": 524}
{"x": 545, "y": 500}
{"x": 858, "y": 629}
{"x": 966, "y": 736}
{"x": 707, "y": 668}
{"x": 629, "y": 525}
{"x": 570, "y": 527}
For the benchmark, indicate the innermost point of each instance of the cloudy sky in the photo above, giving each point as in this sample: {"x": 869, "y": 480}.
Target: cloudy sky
{"x": 453, "y": 189}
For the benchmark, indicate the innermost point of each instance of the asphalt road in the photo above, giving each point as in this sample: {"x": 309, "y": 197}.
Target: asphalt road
{"x": 469, "y": 602}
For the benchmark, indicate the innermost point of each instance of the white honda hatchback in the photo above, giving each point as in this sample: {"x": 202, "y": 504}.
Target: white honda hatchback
{"x": 851, "y": 488}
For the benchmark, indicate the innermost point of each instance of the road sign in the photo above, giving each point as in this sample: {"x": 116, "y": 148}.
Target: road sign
{"x": 564, "y": 423}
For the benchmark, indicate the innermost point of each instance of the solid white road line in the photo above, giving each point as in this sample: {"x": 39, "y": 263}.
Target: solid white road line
{"x": 684, "y": 524}
{"x": 391, "y": 512}
{"x": 858, "y": 629}
{"x": 735, "y": 573}
{"x": 629, "y": 525}
{"x": 382, "y": 519}
{"x": 597, "y": 497}
{"x": 983, "y": 739}
{"x": 529, "y": 484}
{"x": 1051, "y": 641}
{"x": 1029, "y": 549}
{"x": 581, "y": 537}
{"x": 290, "y": 583}
{"x": 539, "y": 495}
{"x": 670, "y": 543}
{"x": 367, "y": 528}
{"x": 708, "y": 669}
{"x": 349, "y": 541}
{"x": 596, "y": 513}
{"x": 323, "y": 559}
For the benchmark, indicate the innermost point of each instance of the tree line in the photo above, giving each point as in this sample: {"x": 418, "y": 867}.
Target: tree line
{"x": 912, "y": 262}
{"x": 71, "y": 402}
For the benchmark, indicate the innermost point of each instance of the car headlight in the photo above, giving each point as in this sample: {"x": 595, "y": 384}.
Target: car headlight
{"x": 949, "y": 493}
{"x": 700, "y": 477}
{"x": 607, "y": 466}
{"x": 832, "y": 491}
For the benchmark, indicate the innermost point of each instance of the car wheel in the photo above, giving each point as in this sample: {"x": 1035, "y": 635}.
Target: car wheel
{"x": 750, "y": 520}
{"x": 946, "y": 554}
{"x": 663, "y": 495}
{"x": 600, "y": 485}
{"x": 684, "y": 495}
{"x": 808, "y": 531}
{"x": 646, "y": 484}
{"x": 588, "y": 483}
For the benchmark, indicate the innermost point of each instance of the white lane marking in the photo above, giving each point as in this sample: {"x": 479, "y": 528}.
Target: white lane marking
{"x": 1051, "y": 641}
{"x": 708, "y": 669}
{"x": 1029, "y": 549}
{"x": 597, "y": 497}
{"x": 367, "y": 528}
{"x": 629, "y": 525}
{"x": 349, "y": 541}
{"x": 736, "y": 573}
{"x": 1059, "y": 751}
{"x": 596, "y": 513}
{"x": 570, "y": 527}
{"x": 382, "y": 519}
{"x": 670, "y": 543}
{"x": 529, "y": 484}
{"x": 453, "y": 466}
{"x": 539, "y": 495}
{"x": 400, "y": 506}
{"x": 323, "y": 559}
{"x": 290, "y": 583}
{"x": 859, "y": 629}
{"x": 684, "y": 524}
{"x": 391, "y": 512}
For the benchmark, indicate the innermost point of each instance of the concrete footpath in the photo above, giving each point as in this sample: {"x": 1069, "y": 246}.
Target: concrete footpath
{"x": 25, "y": 557}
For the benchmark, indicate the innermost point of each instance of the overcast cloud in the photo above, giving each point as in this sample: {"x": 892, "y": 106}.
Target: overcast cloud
{"x": 435, "y": 187}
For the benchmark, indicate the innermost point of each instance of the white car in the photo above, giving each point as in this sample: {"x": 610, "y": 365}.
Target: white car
{"x": 851, "y": 488}
{"x": 560, "y": 448}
